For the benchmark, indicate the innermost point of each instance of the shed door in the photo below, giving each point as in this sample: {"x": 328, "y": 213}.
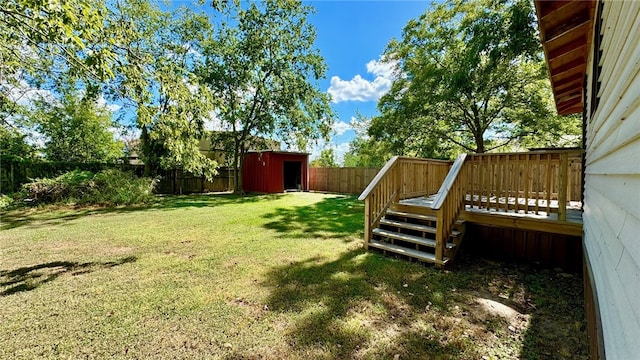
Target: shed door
{"x": 292, "y": 175}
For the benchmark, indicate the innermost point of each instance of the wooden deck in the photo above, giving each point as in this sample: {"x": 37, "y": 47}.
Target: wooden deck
{"x": 509, "y": 216}
{"x": 530, "y": 195}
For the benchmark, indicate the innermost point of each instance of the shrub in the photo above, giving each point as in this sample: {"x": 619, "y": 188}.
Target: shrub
{"x": 107, "y": 187}
{"x": 67, "y": 187}
{"x": 5, "y": 201}
{"x": 115, "y": 187}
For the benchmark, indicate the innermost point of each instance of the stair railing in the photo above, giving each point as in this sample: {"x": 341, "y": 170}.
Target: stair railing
{"x": 448, "y": 203}
{"x": 400, "y": 178}
{"x": 381, "y": 192}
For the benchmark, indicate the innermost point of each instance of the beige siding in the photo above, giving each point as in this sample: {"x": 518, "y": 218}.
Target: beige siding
{"x": 612, "y": 183}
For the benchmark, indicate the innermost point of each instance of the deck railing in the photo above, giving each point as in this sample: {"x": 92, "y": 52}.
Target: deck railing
{"x": 448, "y": 203}
{"x": 539, "y": 181}
{"x": 400, "y": 178}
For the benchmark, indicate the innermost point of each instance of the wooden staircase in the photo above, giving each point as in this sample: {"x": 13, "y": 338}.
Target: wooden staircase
{"x": 412, "y": 233}
{"x": 430, "y": 233}
{"x": 413, "y": 206}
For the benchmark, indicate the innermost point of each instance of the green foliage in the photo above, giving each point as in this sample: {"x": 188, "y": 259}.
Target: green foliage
{"x": 43, "y": 42}
{"x": 5, "y": 201}
{"x": 130, "y": 51}
{"x": 158, "y": 53}
{"x": 68, "y": 186}
{"x": 77, "y": 130}
{"x": 114, "y": 187}
{"x": 327, "y": 159}
{"x": 364, "y": 150}
{"x": 107, "y": 187}
{"x": 264, "y": 68}
{"x": 472, "y": 80}
{"x": 13, "y": 145}
{"x": 367, "y": 152}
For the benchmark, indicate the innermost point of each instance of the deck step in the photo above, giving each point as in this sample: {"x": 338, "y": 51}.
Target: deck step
{"x": 412, "y": 209}
{"x": 421, "y": 255}
{"x": 417, "y": 216}
{"x": 416, "y": 227}
{"x": 409, "y": 238}
{"x": 407, "y": 225}
{"x": 411, "y": 215}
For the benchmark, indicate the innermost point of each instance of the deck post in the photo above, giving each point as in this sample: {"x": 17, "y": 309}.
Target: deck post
{"x": 367, "y": 223}
{"x": 440, "y": 237}
{"x": 562, "y": 186}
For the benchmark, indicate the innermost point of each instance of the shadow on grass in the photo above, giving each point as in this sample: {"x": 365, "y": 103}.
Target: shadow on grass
{"x": 367, "y": 305}
{"x": 332, "y": 217}
{"x": 341, "y": 302}
{"x": 59, "y": 214}
{"x": 31, "y": 277}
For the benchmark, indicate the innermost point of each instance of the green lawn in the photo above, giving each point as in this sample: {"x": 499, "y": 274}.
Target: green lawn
{"x": 276, "y": 277}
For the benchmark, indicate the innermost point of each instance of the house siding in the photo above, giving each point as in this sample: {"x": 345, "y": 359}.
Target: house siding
{"x": 612, "y": 180}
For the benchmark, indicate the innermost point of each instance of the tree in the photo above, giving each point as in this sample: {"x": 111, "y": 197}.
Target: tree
{"x": 13, "y": 145}
{"x": 157, "y": 55}
{"x": 129, "y": 50}
{"x": 77, "y": 130}
{"x": 364, "y": 150}
{"x": 42, "y": 42}
{"x": 327, "y": 159}
{"x": 263, "y": 67}
{"x": 471, "y": 78}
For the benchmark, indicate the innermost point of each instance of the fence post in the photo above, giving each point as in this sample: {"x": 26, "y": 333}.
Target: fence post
{"x": 562, "y": 186}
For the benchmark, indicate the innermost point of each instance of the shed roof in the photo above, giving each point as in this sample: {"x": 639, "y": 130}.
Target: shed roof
{"x": 278, "y": 152}
{"x": 565, "y": 31}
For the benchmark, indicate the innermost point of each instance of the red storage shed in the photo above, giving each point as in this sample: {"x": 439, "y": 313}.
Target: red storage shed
{"x": 275, "y": 171}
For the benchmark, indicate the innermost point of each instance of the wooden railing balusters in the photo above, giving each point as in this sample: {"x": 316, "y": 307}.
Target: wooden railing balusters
{"x": 562, "y": 182}
{"x": 548, "y": 188}
{"x": 537, "y": 178}
{"x": 448, "y": 203}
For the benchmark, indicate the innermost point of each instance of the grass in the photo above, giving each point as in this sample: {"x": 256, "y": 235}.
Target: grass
{"x": 272, "y": 276}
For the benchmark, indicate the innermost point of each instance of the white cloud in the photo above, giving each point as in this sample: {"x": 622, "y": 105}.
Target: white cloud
{"x": 383, "y": 69}
{"x": 24, "y": 94}
{"x": 341, "y": 127}
{"x": 360, "y": 89}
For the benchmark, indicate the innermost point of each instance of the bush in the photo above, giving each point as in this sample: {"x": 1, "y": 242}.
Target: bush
{"x": 115, "y": 187}
{"x": 107, "y": 187}
{"x": 5, "y": 201}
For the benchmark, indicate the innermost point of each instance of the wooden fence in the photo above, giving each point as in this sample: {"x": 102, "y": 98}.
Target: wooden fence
{"x": 344, "y": 180}
{"x": 177, "y": 182}
{"x": 15, "y": 173}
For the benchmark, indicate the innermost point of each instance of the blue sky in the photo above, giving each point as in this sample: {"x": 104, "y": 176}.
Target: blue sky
{"x": 351, "y": 36}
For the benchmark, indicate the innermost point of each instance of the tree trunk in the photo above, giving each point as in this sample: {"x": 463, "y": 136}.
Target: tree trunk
{"x": 144, "y": 148}
{"x": 237, "y": 169}
{"x": 479, "y": 143}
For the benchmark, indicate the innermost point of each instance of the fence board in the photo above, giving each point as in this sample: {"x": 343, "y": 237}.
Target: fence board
{"x": 344, "y": 180}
